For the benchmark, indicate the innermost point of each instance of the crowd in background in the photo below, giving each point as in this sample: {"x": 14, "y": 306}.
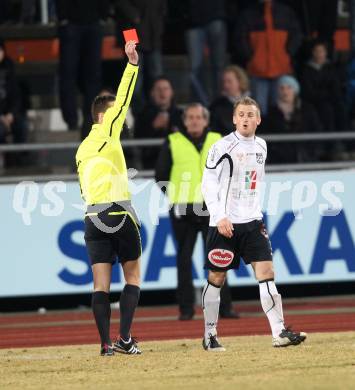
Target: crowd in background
{"x": 280, "y": 52}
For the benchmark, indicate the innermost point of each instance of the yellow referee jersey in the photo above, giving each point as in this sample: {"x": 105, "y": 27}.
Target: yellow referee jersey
{"x": 100, "y": 161}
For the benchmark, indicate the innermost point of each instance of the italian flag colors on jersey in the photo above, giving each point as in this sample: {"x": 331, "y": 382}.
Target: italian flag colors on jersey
{"x": 250, "y": 180}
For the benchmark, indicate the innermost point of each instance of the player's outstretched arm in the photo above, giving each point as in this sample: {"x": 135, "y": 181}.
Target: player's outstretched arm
{"x": 115, "y": 116}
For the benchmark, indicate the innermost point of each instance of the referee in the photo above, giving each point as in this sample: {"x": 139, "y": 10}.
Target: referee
{"x": 111, "y": 224}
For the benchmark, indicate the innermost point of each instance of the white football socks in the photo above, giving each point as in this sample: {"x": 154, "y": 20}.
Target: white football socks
{"x": 210, "y": 305}
{"x": 272, "y": 305}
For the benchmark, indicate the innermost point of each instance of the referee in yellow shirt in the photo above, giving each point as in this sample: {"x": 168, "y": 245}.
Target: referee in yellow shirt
{"x": 111, "y": 224}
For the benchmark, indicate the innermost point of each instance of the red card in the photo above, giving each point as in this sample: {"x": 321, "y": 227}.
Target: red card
{"x": 130, "y": 35}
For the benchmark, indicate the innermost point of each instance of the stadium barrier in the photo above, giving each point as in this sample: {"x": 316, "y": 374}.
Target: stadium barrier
{"x": 309, "y": 215}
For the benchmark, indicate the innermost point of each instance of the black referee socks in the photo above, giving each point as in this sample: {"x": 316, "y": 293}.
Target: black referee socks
{"x": 102, "y": 313}
{"x": 128, "y": 303}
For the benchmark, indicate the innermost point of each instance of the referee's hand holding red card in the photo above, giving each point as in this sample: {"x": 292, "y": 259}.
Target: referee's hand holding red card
{"x": 130, "y": 49}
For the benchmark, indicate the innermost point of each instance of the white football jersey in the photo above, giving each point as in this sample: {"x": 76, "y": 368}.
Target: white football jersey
{"x": 233, "y": 179}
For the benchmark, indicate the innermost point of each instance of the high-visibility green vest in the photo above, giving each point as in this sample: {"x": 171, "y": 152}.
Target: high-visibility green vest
{"x": 187, "y": 168}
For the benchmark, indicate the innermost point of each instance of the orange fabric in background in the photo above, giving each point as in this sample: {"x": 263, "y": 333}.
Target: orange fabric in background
{"x": 342, "y": 40}
{"x": 270, "y": 58}
{"x": 37, "y": 50}
{"x": 32, "y": 50}
{"x": 266, "y": 63}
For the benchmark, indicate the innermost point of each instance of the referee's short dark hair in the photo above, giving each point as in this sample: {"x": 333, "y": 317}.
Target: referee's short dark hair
{"x": 100, "y": 105}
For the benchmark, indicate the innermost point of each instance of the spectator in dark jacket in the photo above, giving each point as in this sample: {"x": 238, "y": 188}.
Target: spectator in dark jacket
{"x": 267, "y": 36}
{"x": 235, "y": 85}
{"x": 148, "y": 17}
{"x": 80, "y": 35}
{"x": 12, "y": 116}
{"x": 159, "y": 118}
{"x": 317, "y": 18}
{"x": 291, "y": 115}
{"x": 321, "y": 87}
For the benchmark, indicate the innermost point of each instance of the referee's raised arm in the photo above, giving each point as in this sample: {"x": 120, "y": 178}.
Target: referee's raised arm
{"x": 115, "y": 116}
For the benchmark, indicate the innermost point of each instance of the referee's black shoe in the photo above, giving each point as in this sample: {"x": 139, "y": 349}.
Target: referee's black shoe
{"x": 107, "y": 350}
{"x": 129, "y": 347}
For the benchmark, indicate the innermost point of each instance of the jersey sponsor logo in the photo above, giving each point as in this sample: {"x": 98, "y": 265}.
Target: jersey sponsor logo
{"x": 259, "y": 158}
{"x": 220, "y": 257}
{"x": 250, "y": 180}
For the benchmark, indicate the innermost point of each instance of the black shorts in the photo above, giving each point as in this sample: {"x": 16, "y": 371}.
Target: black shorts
{"x": 112, "y": 233}
{"x": 250, "y": 242}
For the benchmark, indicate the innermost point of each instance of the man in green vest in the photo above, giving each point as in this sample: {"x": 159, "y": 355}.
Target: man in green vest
{"x": 181, "y": 163}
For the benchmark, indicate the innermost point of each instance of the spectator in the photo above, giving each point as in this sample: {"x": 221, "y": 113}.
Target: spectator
{"x": 160, "y": 117}
{"x": 80, "y": 36}
{"x": 181, "y": 157}
{"x": 205, "y": 26}
{"x": 235, "y": 85}
{"x": 318, "y": 18}
{"x": 148, "y": 17}
{"x": 322, "y": 88}
{"x": 12, "y": 116}
{"x": 267, "y": 36}
{"x": 288, "y": 116}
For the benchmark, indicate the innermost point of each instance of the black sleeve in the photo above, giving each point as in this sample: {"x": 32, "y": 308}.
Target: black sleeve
{"x": 163, "y": 165}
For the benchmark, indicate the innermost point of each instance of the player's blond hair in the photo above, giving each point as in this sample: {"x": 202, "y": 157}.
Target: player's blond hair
{"x": 246, "y": 101}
